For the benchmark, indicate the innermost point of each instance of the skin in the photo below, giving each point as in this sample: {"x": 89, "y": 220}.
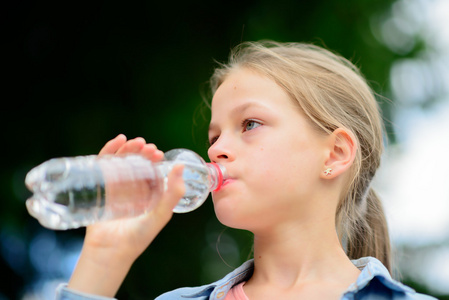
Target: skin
{"x": 276, "y": 188}
{"x": 110, "y": 248}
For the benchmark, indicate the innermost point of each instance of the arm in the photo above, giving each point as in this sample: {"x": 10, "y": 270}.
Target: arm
{"x": 110, "y": 248}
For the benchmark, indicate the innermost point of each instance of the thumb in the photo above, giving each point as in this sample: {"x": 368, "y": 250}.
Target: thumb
{"x": 175, "y": 190}
{"x": 153, "y": 222}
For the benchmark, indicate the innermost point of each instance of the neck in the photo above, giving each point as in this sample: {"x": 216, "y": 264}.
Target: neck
{"x": 293, "y": 253}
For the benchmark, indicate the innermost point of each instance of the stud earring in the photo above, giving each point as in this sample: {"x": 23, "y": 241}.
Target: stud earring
{"x": 328, "y": 171}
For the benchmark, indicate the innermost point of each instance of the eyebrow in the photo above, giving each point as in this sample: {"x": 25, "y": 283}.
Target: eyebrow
{"x": 240, "y": 109}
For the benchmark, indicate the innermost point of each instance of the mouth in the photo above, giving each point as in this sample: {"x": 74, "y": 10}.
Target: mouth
{"x": 226, "y": 182}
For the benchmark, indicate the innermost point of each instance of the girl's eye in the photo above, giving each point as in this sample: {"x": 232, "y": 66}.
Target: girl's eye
{"x": 213, "y": 140}
{"x": 250, "y": 125}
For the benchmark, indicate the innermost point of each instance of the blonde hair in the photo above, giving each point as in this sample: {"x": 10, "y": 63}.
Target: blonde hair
{"x": 333, "y": 94}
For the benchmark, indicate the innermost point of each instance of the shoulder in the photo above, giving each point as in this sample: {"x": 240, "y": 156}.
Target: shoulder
{"x": 422, "y": 297}
{"x": 201, "y": 292}
{"x": 64, "y": 293}
{"x": 215, "y": 290}
{"x": 375, "y": 282}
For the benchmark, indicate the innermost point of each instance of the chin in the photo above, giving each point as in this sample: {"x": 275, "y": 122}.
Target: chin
{"x": 230, "y": 217}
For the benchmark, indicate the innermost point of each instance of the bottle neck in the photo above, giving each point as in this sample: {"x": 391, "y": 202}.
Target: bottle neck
{"x": 217, "y": 174}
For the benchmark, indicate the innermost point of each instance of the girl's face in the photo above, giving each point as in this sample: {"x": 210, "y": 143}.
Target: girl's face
{"x": 273, "y": 155}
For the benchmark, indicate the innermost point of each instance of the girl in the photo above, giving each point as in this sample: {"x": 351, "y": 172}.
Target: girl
{"x": 300, "y": 134}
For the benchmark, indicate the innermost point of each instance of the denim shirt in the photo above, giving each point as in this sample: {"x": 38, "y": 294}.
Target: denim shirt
{"x": 373, "y": 283}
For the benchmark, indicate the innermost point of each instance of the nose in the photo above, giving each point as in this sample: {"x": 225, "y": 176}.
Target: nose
{"x": 220, "y": 151}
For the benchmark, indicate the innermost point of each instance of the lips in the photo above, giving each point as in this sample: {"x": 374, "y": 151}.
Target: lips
{"x": 227, "y": 179}
{"x": 225, "y": 183}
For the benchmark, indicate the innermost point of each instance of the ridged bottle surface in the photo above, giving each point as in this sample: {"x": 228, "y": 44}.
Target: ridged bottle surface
{"x": 78, "y": 191}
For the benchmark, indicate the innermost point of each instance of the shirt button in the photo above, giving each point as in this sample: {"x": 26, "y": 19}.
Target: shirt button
{"x": 220, "y": 294}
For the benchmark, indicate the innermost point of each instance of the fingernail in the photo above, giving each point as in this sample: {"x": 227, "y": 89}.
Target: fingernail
{"x": 140, "y": 139}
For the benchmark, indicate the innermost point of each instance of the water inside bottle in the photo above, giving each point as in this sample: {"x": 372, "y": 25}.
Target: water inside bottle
{"x": 196, "y": 182}
{"x": 79, "y": 191}
{"x": 65, "y": 194}
{"x": 71, "y": 193}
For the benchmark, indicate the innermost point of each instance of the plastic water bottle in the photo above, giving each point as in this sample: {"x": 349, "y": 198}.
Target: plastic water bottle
{"x": 78, "y": 191}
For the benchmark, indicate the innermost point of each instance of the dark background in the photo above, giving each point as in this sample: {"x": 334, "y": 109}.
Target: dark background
{"x": 76, "y": 74}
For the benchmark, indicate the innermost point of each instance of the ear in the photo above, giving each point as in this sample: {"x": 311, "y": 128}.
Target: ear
{"x": 342, "y": 150}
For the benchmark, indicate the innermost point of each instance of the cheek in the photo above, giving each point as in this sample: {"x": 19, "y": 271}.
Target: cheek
{"x": 268, "y": 165}
{"x": 286, "y": 171}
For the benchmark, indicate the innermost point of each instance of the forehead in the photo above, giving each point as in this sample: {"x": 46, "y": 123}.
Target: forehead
{"x": 245, "y": 88}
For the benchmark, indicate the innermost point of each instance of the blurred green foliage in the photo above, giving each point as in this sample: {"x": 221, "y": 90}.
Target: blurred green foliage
{"x": 79, "y": 73}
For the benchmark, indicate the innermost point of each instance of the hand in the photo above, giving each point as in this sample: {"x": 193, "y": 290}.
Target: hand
{"x": 136, "y": 233}
{"x": 111, "y": 247}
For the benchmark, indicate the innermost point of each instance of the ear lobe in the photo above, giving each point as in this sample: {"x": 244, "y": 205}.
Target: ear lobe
{"x": 342, "y": 150}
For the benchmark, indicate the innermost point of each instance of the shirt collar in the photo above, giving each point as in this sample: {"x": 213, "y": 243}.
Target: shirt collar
{"x": 371, "y": 267}
{"x": 222, "y": 286}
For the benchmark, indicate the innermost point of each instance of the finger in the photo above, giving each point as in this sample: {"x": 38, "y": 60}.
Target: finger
{"x": 113, "y": 145}
{"x": 151, "y": 224}
{"x": 132, "y": 146}
{"x": 150, "y": 151}
{"x": 175, "y": 190}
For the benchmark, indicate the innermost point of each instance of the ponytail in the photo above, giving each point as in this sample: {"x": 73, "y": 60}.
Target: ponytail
{"x": 368, "y": 233}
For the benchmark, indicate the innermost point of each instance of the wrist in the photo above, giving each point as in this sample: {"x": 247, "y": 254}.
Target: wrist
{"x": 100, "y": 271}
